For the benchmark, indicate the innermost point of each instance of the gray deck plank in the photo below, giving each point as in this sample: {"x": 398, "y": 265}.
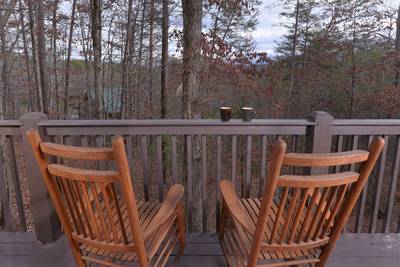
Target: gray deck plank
{"x": 20, "y": 249}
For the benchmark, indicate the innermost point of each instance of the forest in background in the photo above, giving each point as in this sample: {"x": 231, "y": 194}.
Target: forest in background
{"x": 136, "y": 59}
{"x": 113, "y": 59}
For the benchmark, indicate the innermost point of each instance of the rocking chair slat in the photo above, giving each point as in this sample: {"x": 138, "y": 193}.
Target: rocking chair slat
{"x": 299, "y": 218}
{"x": 101, "y": 225}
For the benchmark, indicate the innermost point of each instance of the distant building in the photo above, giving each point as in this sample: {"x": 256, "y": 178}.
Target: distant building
{"x": 112, "y": 103}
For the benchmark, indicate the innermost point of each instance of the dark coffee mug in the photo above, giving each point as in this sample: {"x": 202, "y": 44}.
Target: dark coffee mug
{"x": 226, "y": 113}
{"x": 248, "y": 113}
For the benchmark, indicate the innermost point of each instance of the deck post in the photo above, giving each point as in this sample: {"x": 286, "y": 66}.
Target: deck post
{"x": 46, "y": 224}
{"x": 319, "y": 136}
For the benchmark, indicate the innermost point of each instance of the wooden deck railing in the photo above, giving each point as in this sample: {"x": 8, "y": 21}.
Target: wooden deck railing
{"x": 198, "y": 154}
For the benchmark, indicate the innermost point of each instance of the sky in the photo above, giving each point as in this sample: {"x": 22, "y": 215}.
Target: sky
{"x": 269, "y": 30}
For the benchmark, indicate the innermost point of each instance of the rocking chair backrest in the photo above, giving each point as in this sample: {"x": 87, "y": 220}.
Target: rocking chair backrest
{"x": 85, "y": 199}
{"x": 310, "y": 210}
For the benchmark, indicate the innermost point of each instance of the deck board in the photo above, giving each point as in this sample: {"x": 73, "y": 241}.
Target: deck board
{"x": 353, "y": 250}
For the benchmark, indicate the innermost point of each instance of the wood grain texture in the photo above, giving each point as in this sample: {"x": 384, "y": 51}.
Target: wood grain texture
{"x": 299, "y": 217}
{"x": 102, "y": 226}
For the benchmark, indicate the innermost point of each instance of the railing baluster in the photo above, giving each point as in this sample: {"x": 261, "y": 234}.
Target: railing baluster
{"x": 219, "y": 171}
{"x": 129, "y": 151}
{"x": 339, "y": 149}
{"x": 354, "y": 147}
{"x": 234, "y": 150}
{"x": 379, "y": 186}
{"x": 16, "y": 183}
{"x": 5, "y": 194}
{"x": 395, "y": 174}
{"x": 248, "y": 165}
{"x": 263, "y": 163}
{"x": 100, "y": 142}
{"x": 160, "y": 168}
{"x": 204, "y": 193}
{"x": 363, "y": 200}
{"x": 293, "y": 146}
{"x": 174, "y": 160}
{"x": 189, "y": 185}
{"x": 146, "y": 173}
{"x": 84, "y": 140}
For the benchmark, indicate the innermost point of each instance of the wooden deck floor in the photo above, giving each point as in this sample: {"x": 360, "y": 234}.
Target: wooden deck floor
{"x": 19, "y": 249}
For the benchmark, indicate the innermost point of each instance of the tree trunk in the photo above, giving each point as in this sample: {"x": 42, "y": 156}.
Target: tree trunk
{"x": 151, "y": 48}
{"x": 353, "y": 69}
{"x": 164, "y": 69}
{"x": 43, "y": 69}
{"x": 4, "y": 17}
{"x": 293, "y": 57}
{"x": 131, "y": 78}
{"x": 68, "y": 61}
{"x": 397, "y": 50}
{"x": 126, "y": 59}
{"x": 164, "y": 59}
{"x": 4, "y": 78}
{"x": 54, "y": 49}
{"x": 96, "y": 43}
{"x": 192, "y": 18}
{"x": 35, "y": 59}
{"x": 137, "y": 94}
{"x": 87, "y": 108}
{"x": 26, "y": 59}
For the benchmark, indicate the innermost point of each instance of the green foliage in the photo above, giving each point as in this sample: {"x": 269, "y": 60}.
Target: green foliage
{"x": 78, "y": 64}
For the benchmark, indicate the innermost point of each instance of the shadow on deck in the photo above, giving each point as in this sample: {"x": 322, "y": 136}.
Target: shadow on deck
{"x": 363, "y": 250}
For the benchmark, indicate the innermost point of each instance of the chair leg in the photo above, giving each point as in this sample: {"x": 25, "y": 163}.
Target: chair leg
{"x": 75, "y": 252}
{"x": 181, "y": 227}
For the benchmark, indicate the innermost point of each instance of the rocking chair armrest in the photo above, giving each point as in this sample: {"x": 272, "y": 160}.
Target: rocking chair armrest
{"x": 168, "y": 207}
{"x": 235, "y": 207}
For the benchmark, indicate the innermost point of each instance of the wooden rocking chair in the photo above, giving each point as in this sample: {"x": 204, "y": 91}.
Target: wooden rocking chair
{"x": 299, "y": 218}
{"x": 102, "y": 226}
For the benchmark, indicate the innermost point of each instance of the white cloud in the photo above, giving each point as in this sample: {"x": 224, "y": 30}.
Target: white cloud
{"x": 270, "y": 29}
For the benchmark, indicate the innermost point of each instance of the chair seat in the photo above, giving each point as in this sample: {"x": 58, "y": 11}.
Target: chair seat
{"x": 147, "y": 211}
{"x": 237, "y": 242}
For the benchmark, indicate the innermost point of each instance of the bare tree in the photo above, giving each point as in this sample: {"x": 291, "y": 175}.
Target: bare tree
{"x": 54, "y": 49}
{"x": 96, "y": 44}
{"x": 137, "y": 93}
{"x": 68, "y": 60}
{"x": 293, "y": 55}
{"x": 397, "y": 49}
{"x": 126, "y": 59}
{"x": 164, "y": 58}
{"x": 5, "y": 14}
{"x": 151, "y": 59}
{"x": 35, "y": 57}
{"x": 192, "y": 18}
{"x": 43, "y": 69}
{"x": 26, "y": 58}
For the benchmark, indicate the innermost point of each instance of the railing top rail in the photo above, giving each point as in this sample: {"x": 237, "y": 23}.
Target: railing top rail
{"x": 10, "y": 123}
{"x": 175, "y": 127}
{"x": 10, "y": 127}
{"x": 366, "y": 127}
{"x": 174, "y": 122}
{"x": 366, "y": 122}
